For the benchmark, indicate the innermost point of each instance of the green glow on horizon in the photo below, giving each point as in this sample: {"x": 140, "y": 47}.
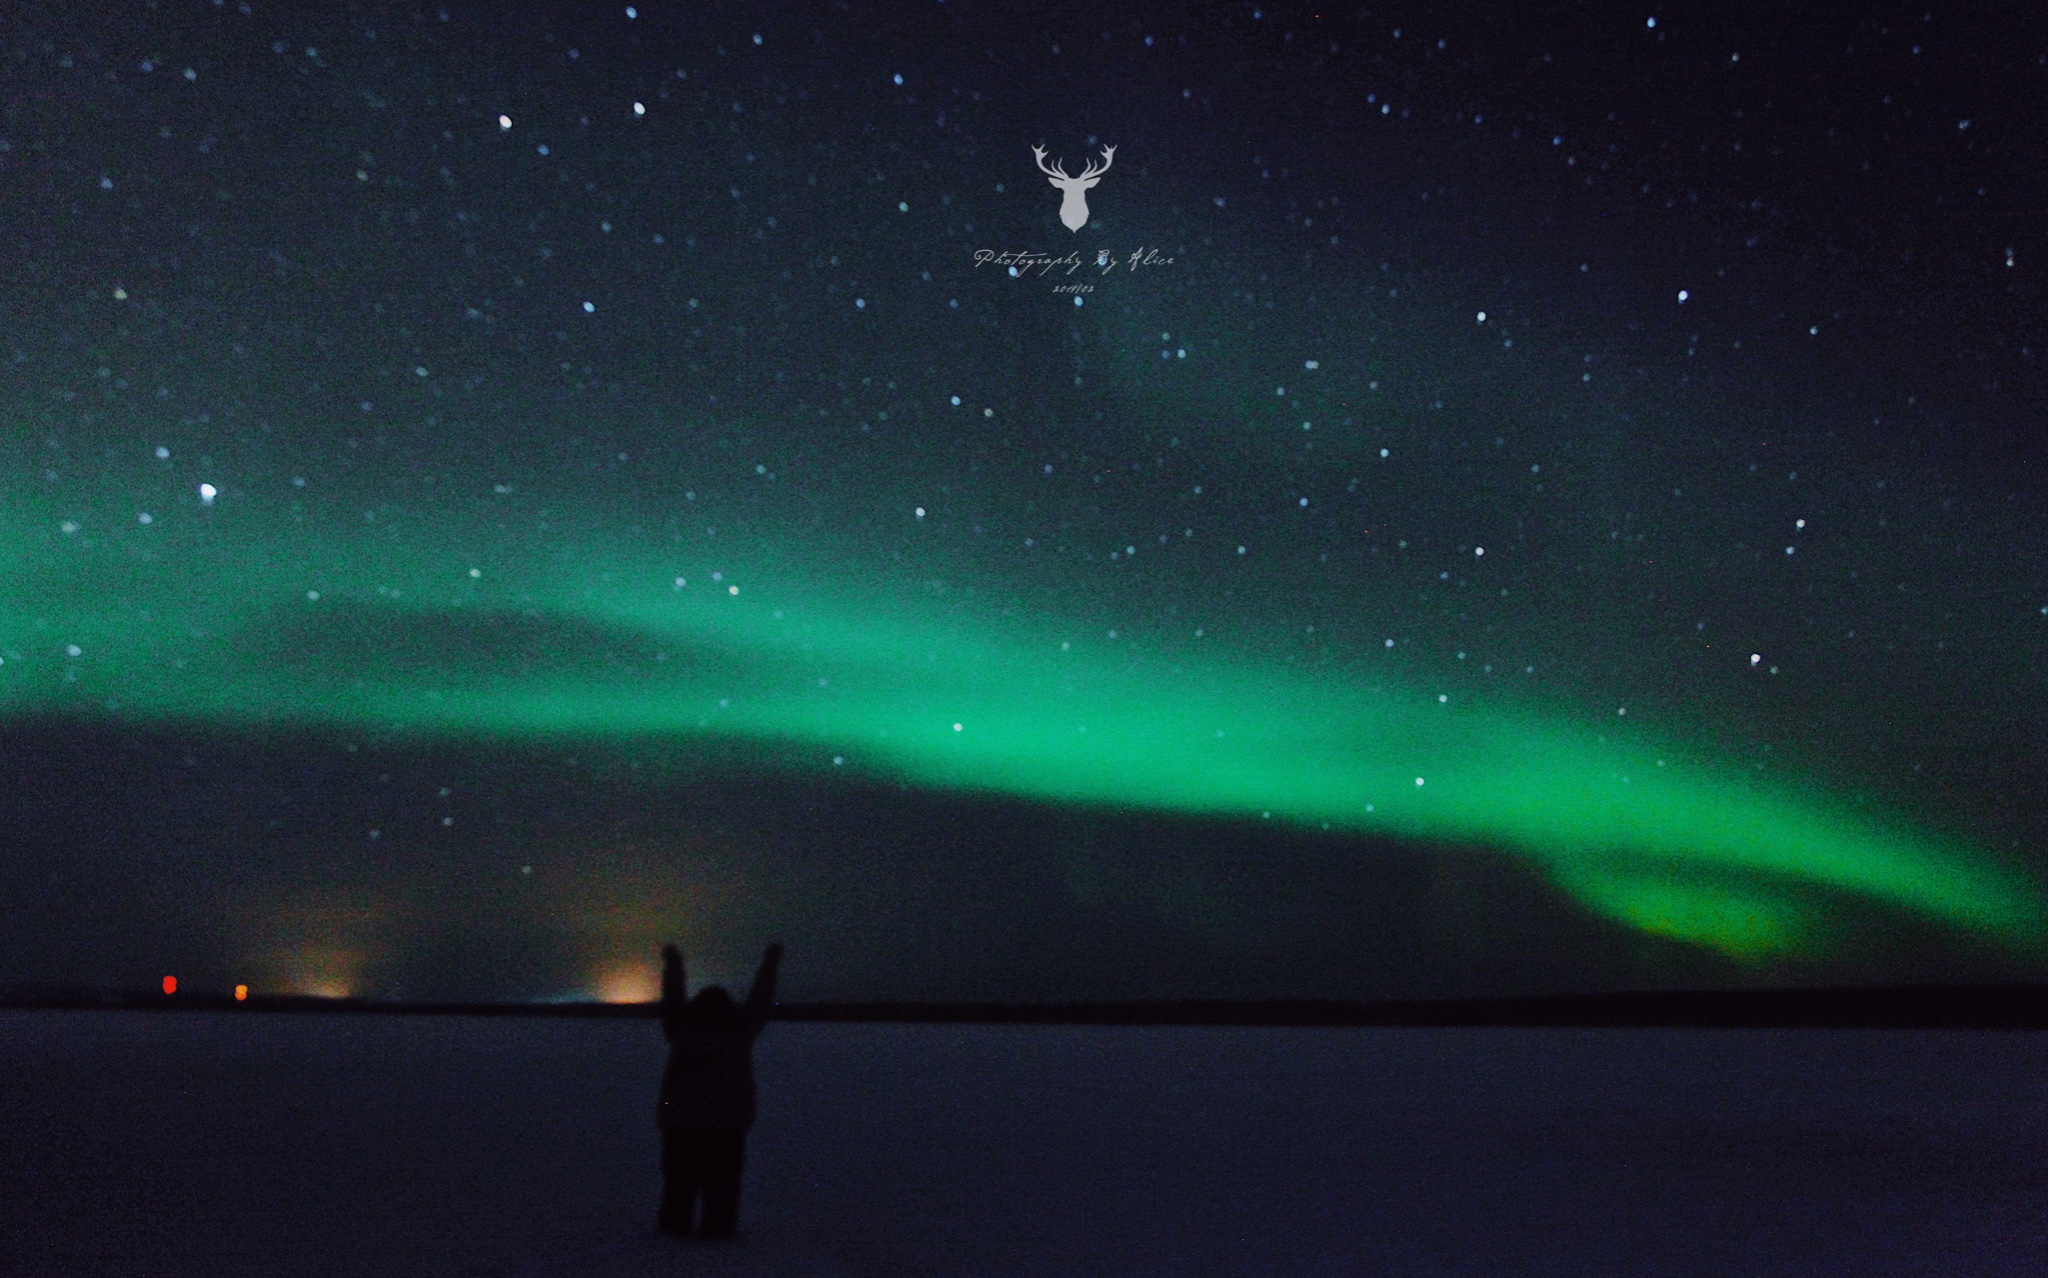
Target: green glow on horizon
{"x": 206, "y": 616}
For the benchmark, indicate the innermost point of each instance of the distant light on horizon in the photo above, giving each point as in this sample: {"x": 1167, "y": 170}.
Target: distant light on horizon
{"x": 626, "y": 981}
{"x": 170, "y": 985}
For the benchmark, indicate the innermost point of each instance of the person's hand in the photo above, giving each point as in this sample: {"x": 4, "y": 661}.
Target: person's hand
{"x": 675, "y": 992}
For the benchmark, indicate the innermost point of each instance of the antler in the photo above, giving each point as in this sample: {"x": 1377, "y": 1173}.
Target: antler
{"x": 1059, "y": 169}
{"x": 1091, "y": 171}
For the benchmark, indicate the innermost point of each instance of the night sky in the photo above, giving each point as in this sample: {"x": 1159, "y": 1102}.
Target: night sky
{"x": 1492, "y": 500}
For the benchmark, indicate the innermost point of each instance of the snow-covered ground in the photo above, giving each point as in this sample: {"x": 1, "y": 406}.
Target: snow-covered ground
{"x": 157, "y": 1144}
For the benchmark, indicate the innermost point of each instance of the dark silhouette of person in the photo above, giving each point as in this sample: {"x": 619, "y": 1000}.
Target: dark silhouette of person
{"x": 707, "y": 1094}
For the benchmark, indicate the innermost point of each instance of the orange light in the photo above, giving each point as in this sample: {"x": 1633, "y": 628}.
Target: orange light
{"x": 170, "y": 985}
{"x": 241, "y": 993}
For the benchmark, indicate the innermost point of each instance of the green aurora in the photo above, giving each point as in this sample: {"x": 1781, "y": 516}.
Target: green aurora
{"x": 242, "y": 612}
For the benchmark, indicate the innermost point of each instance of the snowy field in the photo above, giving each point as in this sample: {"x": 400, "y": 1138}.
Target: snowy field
{"x": 158, "y": 1144}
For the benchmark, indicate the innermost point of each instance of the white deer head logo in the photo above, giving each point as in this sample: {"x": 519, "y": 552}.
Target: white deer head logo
{"x": 1073, "y": 197}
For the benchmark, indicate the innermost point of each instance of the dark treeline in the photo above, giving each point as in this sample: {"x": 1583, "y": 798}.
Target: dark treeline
{"x": 2010, "y": 1007}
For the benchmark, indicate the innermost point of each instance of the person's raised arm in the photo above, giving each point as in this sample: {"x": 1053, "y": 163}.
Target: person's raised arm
{"x": 761, "y": 998}
{"x": 675, "y": 992}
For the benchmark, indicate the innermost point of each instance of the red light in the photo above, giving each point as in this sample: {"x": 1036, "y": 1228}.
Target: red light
{"x": 170, "y": 985}
{"x": 241, "y": 993}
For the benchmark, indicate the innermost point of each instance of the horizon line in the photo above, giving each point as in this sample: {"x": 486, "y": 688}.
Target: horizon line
{"x": 2002, "y": 1005}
